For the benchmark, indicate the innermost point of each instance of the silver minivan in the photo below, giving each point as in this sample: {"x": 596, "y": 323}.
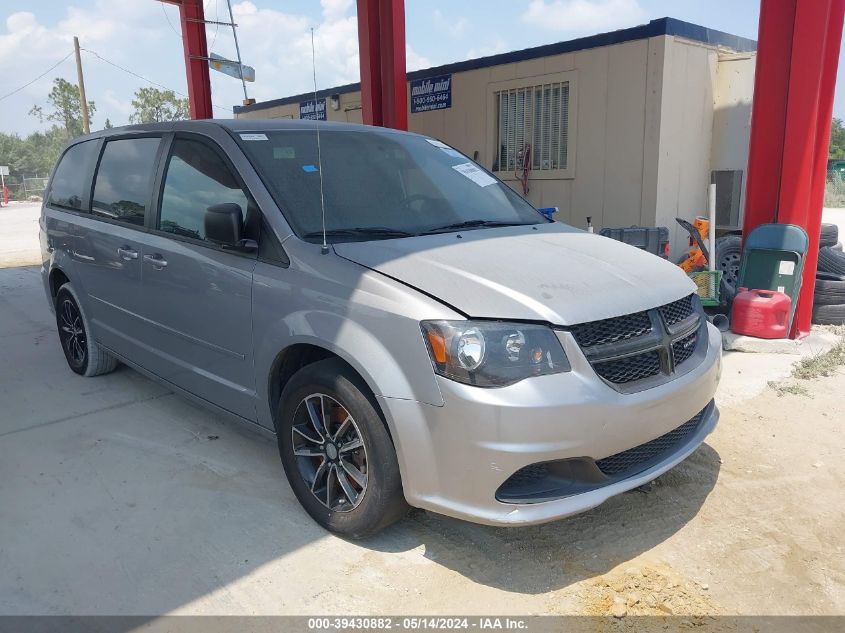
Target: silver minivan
{"x": 412, "y": 331}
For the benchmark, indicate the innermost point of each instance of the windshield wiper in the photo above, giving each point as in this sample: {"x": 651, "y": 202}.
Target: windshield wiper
{"x": 470, "y": 224}
{"x": 361, "y": 231}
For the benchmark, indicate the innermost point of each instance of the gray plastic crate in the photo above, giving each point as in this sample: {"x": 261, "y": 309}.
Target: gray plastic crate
{"x": 652, "y": 239}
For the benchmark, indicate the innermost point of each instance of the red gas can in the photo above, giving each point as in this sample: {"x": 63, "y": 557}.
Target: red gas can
{"x": 761, "y": 313}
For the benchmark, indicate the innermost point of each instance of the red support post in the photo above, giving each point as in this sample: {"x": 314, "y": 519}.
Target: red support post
{"x": 192, "y": 16}
{"x": 790, "y": 124}
{"x": 381, "y": 46}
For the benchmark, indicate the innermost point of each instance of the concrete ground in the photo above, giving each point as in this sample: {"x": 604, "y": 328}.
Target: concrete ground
{"x": 118, "y": 497}
{"x": 19, "y": 234}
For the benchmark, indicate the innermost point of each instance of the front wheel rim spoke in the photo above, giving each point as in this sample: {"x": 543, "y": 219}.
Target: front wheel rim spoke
{"x": 350, "y": 446}
{"x": 342, "y": 428}
{"x": 316, "y": 422}
{"x": 330, "y": 485}
{"x": 305, "y": 435}
{"x": 318, "y": 474}
{"x": 352, "y": 470}
{"x": 307, "y": 451}
{"x": 347, "y": 488}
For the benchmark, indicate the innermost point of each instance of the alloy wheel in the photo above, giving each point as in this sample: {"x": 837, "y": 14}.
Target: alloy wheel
{"x": 330, "y": 452}
{"x": 72, "y": 332}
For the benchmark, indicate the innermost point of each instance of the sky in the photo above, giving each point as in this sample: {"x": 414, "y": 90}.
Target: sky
{"x": 142, "y": 37}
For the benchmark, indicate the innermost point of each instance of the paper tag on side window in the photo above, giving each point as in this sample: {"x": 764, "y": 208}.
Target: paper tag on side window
{"x": 253, "y": 137}
{"x": 474, "y": 174}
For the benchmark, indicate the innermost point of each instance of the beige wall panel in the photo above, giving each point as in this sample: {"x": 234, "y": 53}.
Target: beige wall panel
{"x": 559, "y": 63}
{"x": 651, "y": 132}
{"x": 626, "y": 97}
{"x": 464, "y": 122}
{"x": 588, "y": 185}
{"x": 685, "y": 137}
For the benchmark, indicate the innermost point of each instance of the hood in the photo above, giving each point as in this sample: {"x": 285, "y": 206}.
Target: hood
{"x": 555, "y": 274}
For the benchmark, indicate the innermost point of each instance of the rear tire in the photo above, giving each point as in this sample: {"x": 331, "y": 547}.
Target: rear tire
{"x": 829, "y": 235}
{"x": 830, "y": 289}
{"x": 83, "y": 354}
{"x": 337, "y": 453}
{"x": 829, "y": 314}
{"x": 831, "y": 261}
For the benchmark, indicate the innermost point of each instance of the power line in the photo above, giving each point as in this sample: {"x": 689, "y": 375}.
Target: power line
{"x": 29, "y": 83}
{"x": 141, "y": 77}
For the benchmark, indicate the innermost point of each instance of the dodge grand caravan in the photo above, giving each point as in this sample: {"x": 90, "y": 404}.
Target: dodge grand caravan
{"x": 440, "y": 345}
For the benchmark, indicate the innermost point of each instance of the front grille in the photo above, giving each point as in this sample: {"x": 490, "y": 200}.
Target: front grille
{"x": 684, "y": 348}
{"x": 641, "y": 345}
{"x": 612, "y": 330}
{"x": 630, "y": 368}
{"x": 676, "y": 311}
{"x": 638, "y": 458}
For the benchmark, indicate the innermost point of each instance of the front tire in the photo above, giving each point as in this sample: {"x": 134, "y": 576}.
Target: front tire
{"x": 337, "y": 453}
{"x": 83, "y": 354}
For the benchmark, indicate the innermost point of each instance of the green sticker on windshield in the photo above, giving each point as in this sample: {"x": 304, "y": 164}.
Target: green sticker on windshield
{"x": 284, "y": 152}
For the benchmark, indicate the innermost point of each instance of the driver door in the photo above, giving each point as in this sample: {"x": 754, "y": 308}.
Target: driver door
{"x": 198, "y": 294}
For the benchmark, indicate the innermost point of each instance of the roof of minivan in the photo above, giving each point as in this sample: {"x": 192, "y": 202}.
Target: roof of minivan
{"x": 240, "y": 125}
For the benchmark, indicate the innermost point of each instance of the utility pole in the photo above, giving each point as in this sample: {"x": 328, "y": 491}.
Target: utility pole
{"x": 247, "y": 100}
{"x": 86, "y": 126}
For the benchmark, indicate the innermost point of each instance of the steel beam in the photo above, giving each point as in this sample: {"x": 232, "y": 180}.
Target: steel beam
{"x": 192, "y": 17}
{"x": 381, "y": 46}
{"x": 797, "y": 57}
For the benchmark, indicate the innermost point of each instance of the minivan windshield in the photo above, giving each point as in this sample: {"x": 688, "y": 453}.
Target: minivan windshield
{"x": 380, "y": 185}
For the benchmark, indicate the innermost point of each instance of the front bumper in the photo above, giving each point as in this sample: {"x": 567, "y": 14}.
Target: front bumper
{"x": 454, "y": 458}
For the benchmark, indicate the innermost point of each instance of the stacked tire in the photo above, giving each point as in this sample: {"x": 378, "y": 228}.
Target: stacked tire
{"x": 829, "y": 298}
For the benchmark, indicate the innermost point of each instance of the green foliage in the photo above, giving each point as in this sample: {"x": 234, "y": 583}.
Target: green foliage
{"x": 153, "y": 105}
{"x": 837, "y": 140}
{"x": 65, "y": 108}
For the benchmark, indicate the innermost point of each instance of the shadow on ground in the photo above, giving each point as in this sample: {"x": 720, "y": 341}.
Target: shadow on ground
{"x": 547, "y": 557}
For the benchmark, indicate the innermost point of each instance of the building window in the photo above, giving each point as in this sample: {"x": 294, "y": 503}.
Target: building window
{"x": 533, "y": 119}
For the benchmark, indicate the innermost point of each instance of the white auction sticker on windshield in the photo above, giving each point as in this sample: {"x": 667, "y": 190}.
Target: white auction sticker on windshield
{"x": 253, "y": 137}
{"x": 474, "y": 174}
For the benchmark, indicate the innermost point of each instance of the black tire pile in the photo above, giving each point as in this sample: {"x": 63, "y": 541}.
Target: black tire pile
{"x": 829, "y": 297}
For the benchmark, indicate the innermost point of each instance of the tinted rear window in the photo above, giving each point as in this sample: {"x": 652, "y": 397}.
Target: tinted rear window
{"x": 72, "y": 176}
{"x": 124, "y": 179}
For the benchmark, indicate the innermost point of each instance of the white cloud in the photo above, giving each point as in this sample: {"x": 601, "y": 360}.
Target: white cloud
{"x": 583, "y": 16}
{"x": 454, "y": 26}
{"x": 415, "y": 61}
{"x": 493, "y": 47}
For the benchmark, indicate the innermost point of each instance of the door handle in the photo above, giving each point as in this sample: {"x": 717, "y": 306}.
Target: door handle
{"x": 156, "y": 260}
{"x": 127, "y": 253}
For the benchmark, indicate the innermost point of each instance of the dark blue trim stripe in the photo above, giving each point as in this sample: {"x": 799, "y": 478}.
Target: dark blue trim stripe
{"x": 655, "y": 28}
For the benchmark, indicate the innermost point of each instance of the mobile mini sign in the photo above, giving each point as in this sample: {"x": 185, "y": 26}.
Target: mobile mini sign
{"x": 433, "y": 93}
{"x": 308, "y": 110}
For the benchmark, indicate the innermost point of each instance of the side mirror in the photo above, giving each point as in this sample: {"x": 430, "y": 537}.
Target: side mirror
{"x": 224, "y": 224}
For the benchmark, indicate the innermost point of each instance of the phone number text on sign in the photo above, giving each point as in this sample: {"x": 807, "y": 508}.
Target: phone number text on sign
{"x": 433, "y": 93}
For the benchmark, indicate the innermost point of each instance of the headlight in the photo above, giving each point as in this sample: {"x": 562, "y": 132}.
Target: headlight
{"x": 492, "y": 353}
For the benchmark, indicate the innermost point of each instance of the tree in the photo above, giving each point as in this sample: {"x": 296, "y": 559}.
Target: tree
{"x": 66, "y": 109}
{"x": 107, "y": 125}
{"x": 153, "y": 105}
{"x": 837, "y": 140}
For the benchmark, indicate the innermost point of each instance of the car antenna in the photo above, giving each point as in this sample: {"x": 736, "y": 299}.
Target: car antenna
{"x": 325, "y": 248}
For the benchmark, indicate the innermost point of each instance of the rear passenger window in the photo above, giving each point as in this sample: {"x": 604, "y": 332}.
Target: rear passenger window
{"x": 124, "y": 179}
{"x": 72, "y": 176}
{"x": 196, "y": 179}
